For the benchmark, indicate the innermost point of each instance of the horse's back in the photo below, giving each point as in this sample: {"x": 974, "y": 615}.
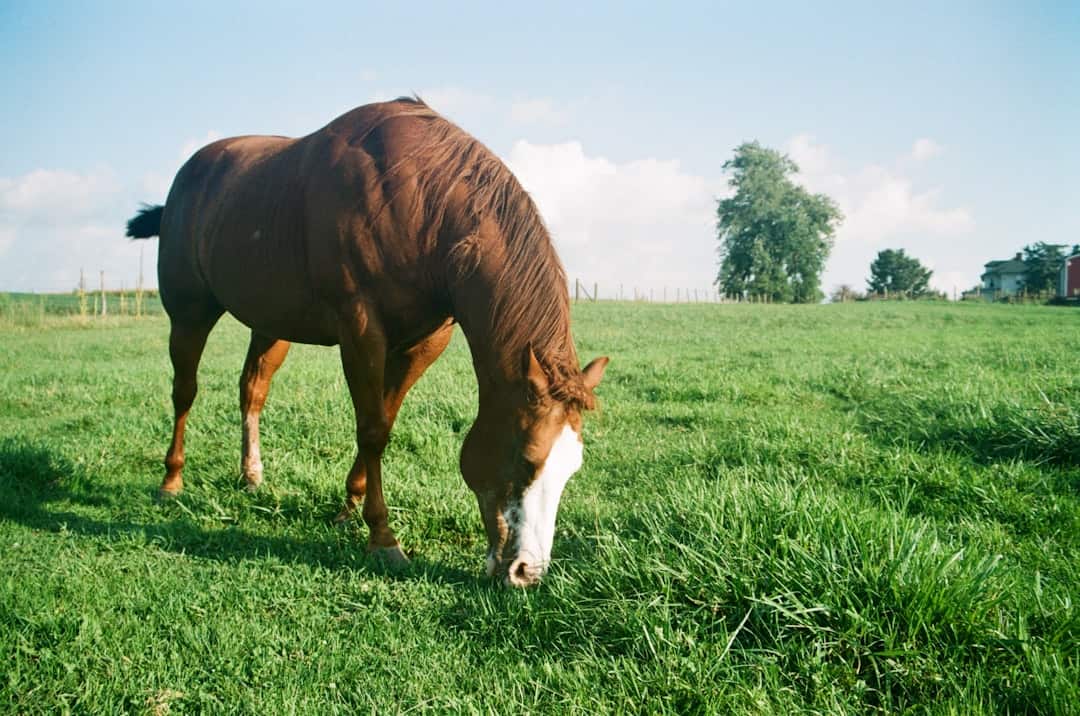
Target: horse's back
{"x": 234, "y": 231}
{"x": 286, "y": 233}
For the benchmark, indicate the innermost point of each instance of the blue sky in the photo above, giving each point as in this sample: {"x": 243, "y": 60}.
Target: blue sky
{"x": 948, "y": 131}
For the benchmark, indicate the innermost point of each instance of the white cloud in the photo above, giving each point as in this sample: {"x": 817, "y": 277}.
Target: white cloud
{"x": 882, "y": 204}
{"x": 812, "y": 158}
{"x": 643, "y": 224}
{"x": 953, "y": 282}
{"x": 45, "y": 192}
{"x": 54, "y": 222}
{"x": 924, "y": 149}
{"x": 878, "y": 202}
{"x": 884, "y": 208}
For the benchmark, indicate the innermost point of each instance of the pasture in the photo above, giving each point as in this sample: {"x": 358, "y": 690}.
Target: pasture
{"x": 834, "y": 509}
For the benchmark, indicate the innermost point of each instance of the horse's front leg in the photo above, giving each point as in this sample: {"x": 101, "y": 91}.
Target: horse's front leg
{"x": 363, "y": 358}
{"x": 265, "y": 355}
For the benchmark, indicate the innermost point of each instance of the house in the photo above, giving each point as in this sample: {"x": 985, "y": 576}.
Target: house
{"x": 1003, "y": 278}
{"x": 1070, "y": 277}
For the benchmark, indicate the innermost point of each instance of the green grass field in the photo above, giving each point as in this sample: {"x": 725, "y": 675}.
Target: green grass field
{"x": 783, "y": 509}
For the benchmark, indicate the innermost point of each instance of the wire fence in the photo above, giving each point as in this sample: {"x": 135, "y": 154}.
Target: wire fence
{"x": 84, "y": 303}
{"x": 101, "y": 302}
{"x": 591, "y": 292}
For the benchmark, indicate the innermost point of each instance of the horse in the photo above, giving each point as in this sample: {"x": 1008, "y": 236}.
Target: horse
{"x": 378, "y": 234}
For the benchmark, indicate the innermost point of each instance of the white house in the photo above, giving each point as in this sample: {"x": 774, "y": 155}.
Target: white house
{"x": 1003, "y": 278}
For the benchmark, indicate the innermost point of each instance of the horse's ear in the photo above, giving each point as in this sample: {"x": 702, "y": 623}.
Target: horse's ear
{"x": 534, "y": 373}
{"x": 594, "y": 372}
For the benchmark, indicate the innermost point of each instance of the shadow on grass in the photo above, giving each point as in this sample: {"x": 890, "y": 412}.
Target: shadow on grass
{"x": 983, "y": 431}
{"x": 986, "y": 443}
{"x": 33, "y": 477}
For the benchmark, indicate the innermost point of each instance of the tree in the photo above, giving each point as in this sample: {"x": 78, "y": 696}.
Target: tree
{"x": 897, "y": 273}
{"x": 774, "y": 235}
{"x": 845, "y": 293}
{"x": 1042, "y": 266}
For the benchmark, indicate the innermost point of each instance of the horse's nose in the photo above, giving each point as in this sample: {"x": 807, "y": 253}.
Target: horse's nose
{"x": 523, "y": 574}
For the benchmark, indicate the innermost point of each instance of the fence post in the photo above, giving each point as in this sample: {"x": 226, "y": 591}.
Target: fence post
{"x": 139, "y": 290}
{"x": 82, "y": 295}
{"x": 104, "y": 303}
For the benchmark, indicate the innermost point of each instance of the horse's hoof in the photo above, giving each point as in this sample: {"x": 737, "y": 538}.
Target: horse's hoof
{"x": 252, "y": 485}
{"x": 343, "y": 519}
{"x": 165, "y": 494}
{"x": 391, "y": 556}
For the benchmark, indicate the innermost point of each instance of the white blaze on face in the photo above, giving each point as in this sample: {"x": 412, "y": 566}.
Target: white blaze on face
{"x": 533, "y": 519}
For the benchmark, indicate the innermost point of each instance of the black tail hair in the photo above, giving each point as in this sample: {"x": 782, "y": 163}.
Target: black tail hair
{"x": 146, "y": 223}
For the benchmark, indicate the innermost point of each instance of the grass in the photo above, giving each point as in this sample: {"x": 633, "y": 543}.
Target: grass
{"x": 37, "y": 310}
{"x": 823, "y": 509}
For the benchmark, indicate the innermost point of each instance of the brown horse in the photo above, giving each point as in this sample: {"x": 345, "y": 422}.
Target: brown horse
{"x": 377, "y": 233}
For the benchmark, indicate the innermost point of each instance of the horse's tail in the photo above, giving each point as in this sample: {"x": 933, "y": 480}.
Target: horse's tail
{"x": 146, "y": 223}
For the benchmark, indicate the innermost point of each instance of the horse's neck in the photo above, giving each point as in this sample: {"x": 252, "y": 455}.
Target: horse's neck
{"x": 498, "y": 363}
{"x": 475, "y": 313}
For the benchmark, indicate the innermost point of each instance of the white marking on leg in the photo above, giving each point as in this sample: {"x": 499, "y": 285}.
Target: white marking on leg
{"x": 540, "y": 502}
{"x": 253, "y": 467}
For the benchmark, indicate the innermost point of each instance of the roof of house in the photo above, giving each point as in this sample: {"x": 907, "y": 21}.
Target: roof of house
{"x": 1007, "y": 266}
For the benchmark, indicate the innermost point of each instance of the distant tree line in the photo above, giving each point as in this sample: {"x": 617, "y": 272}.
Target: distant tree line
{"x": 775, "y": 236}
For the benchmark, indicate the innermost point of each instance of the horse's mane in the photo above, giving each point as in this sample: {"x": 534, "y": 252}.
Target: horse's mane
{"x": 530, "y": 306}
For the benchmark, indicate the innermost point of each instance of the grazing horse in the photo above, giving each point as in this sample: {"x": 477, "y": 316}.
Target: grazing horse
{"x": 377, "y": 233}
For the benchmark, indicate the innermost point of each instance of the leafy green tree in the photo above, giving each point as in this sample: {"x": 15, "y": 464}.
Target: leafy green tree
{"x": 774, "y": 235}
{"x": 1042, "y": 266}
{"x": 894, "y": 272}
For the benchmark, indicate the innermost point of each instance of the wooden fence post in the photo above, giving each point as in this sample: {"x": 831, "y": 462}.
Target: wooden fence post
{"x": 139, "y": 289}
{"x": 82, "y": 295}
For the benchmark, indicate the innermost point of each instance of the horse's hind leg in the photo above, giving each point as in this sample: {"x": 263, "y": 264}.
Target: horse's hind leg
{"x": 187, "y": 338}
{"x": 264, "y": 357}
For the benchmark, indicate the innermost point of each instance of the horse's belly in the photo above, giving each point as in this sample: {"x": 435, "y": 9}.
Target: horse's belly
{"x": 271, "y": 294}
{"x": 312, "y": 326}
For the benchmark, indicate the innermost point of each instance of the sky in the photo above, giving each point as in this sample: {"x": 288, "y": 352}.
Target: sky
{"x": 949, "y": 130}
